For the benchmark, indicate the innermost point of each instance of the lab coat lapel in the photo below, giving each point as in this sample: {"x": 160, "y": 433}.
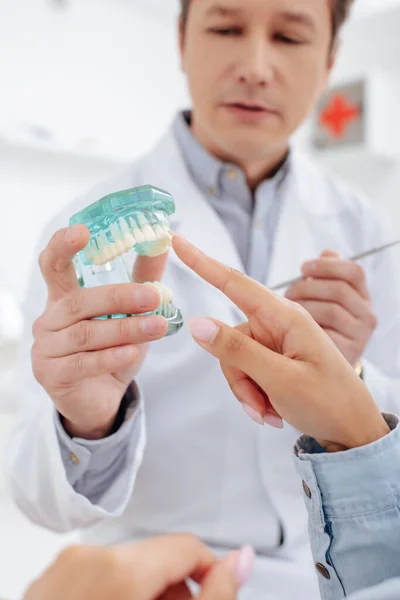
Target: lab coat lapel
{"x": 304, "y": 201}
{"x": 194, "y": 217}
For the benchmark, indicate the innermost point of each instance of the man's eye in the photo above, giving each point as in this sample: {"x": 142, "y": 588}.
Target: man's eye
{"x": 226, "y": 31}
{"x": 280, "y": 37}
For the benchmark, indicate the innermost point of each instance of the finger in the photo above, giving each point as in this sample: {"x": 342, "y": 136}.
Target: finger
{"x": 226, "y": 578}
{"x": 89, "y": 336}
{"x": 162, "y": 562}
{"x": 180, "y": 591}
{"x": 123, "y": 298}
{"x": 266, "y": 368}
{"x": 84, "y": 365}
{"x": 255, "y": 402}
{"x": 329, "y": 254}
{"x": 331, "y": 268}
{"x": 339, "y": 292}
{"x": 56, "y": 260}
{"x": 333, "y": 316}
{"x": 148, "y": 268}
{"x": 246, "y": 293}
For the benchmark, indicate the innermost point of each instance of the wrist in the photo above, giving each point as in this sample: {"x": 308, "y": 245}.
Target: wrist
{"x": 89, "y": 431}
{"x": 365, "y": 434}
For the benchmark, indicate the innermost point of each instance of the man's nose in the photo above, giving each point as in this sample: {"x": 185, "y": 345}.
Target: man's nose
{"x": 255, "y": 67}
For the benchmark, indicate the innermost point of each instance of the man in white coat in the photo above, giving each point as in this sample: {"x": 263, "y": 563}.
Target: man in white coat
{"x": 124, "y": 442}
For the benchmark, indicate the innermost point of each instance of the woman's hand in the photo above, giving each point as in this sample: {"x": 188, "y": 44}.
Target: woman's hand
{"x": 280, "y": 364}
{"x": 153, "y": 569}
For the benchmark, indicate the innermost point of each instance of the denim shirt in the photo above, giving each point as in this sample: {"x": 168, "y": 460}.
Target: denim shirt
{"x": 353, "y": 503}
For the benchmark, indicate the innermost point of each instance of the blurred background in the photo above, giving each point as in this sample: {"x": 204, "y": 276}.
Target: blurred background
{"x": 86, "y": 87}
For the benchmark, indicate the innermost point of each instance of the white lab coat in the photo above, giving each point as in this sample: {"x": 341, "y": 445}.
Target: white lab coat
{"x": 195, "y": 432}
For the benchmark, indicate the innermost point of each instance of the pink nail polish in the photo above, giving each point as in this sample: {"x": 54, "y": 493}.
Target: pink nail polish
{"x": 273, "y": 421}
{"x": 253, "y": 414}
{"x": 203, "y": 330}
{"x": 244, "y": 564}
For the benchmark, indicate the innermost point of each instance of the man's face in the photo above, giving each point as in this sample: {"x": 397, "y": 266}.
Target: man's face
{"x": 255, "y": 70}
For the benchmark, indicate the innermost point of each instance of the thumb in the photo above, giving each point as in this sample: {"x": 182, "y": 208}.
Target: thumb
{"x": 270, "y": 370}
{"x": 225, "y": 579}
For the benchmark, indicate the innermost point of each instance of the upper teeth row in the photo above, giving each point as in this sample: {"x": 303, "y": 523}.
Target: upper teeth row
{"x": 101, "y": 251}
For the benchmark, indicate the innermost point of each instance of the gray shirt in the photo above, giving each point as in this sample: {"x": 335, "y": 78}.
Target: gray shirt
{"x": 251, "y": 220}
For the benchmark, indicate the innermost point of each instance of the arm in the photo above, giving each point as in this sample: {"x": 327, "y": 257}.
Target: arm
{"x": 353, "y": 502}
{"x": 45, "y": 484}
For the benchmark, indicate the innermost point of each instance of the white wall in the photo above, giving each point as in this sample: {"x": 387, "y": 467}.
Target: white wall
{"x": 371, "y": 47}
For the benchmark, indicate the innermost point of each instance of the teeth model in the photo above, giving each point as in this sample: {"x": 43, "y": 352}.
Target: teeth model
{"x": 166, "y": 308}
{"x": 137, "y": 219}
{"x": 134, "y": 219}
{"x": 125, "y": 234}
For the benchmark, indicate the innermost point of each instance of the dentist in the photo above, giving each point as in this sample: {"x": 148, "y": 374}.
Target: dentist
{"x": 124, "y": 439}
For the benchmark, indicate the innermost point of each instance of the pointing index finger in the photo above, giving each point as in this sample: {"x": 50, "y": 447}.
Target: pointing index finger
{"x": 246, "y": 293}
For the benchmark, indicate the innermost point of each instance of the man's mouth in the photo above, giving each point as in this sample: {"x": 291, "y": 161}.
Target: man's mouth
{"x": 249, "y": 107}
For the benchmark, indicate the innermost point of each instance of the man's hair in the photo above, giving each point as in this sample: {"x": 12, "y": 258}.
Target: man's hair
{"x": 340, "y": 11}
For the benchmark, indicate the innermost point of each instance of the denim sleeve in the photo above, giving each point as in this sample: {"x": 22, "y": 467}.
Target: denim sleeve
{"x": 92, "y": 466}
{"x": 390, "y": 590}
{"x": 353, "y": 501}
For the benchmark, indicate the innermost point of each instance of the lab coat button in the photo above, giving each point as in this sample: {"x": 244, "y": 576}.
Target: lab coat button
{"x": 307, "y": 490}
{"x": 232, "y": 173}
{"x": 322, "y": 571}
{"x": 74, "y": 458}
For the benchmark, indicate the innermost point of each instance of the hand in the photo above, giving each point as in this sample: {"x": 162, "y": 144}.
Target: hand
{"x": 86, "y": 365}
{"x": 282, "y": 363}
{"x": 335, "y": 294}
{"x": 157, "y": 568}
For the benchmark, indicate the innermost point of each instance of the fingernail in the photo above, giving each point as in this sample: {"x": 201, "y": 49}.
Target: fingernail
{"x": 310, "y": 266}
{"x": 71, "y": 235}
{"x": 253, "y": 414}
{"x": 152, "y": 325}
{"x": 146, "y": 296}
{"x": 244, "y": 564}
{"x": 273, "y": 421}
{"x": 203, "y": 330}
{"x": 123, "y": 353}
{"x": 178, "y": 235}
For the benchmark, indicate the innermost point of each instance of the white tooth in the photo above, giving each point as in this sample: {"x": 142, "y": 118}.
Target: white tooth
{"x": 159, "y": 231}
{"x": 97, "y": 260}
{"x": 120, "y": 247}
{"x": 87, "y": 253}
{"x": 124, "y": 225}
{"x": 137, "y": 234}
{"x": 103, "y": 240}
{"x": 129, "y": 241}
{"x": 139, "y": 237}
{"x": 147, "y": 231}
{"x": 106, "y": 254}
{"x": 115, "y": 232}
{"x": 113, "y": 251}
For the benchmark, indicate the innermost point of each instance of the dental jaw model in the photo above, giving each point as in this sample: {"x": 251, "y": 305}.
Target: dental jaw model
{"x": 135, "y": 219}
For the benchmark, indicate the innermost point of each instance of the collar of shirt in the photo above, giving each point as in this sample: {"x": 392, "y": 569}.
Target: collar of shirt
{"x": 216, "y": 178}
